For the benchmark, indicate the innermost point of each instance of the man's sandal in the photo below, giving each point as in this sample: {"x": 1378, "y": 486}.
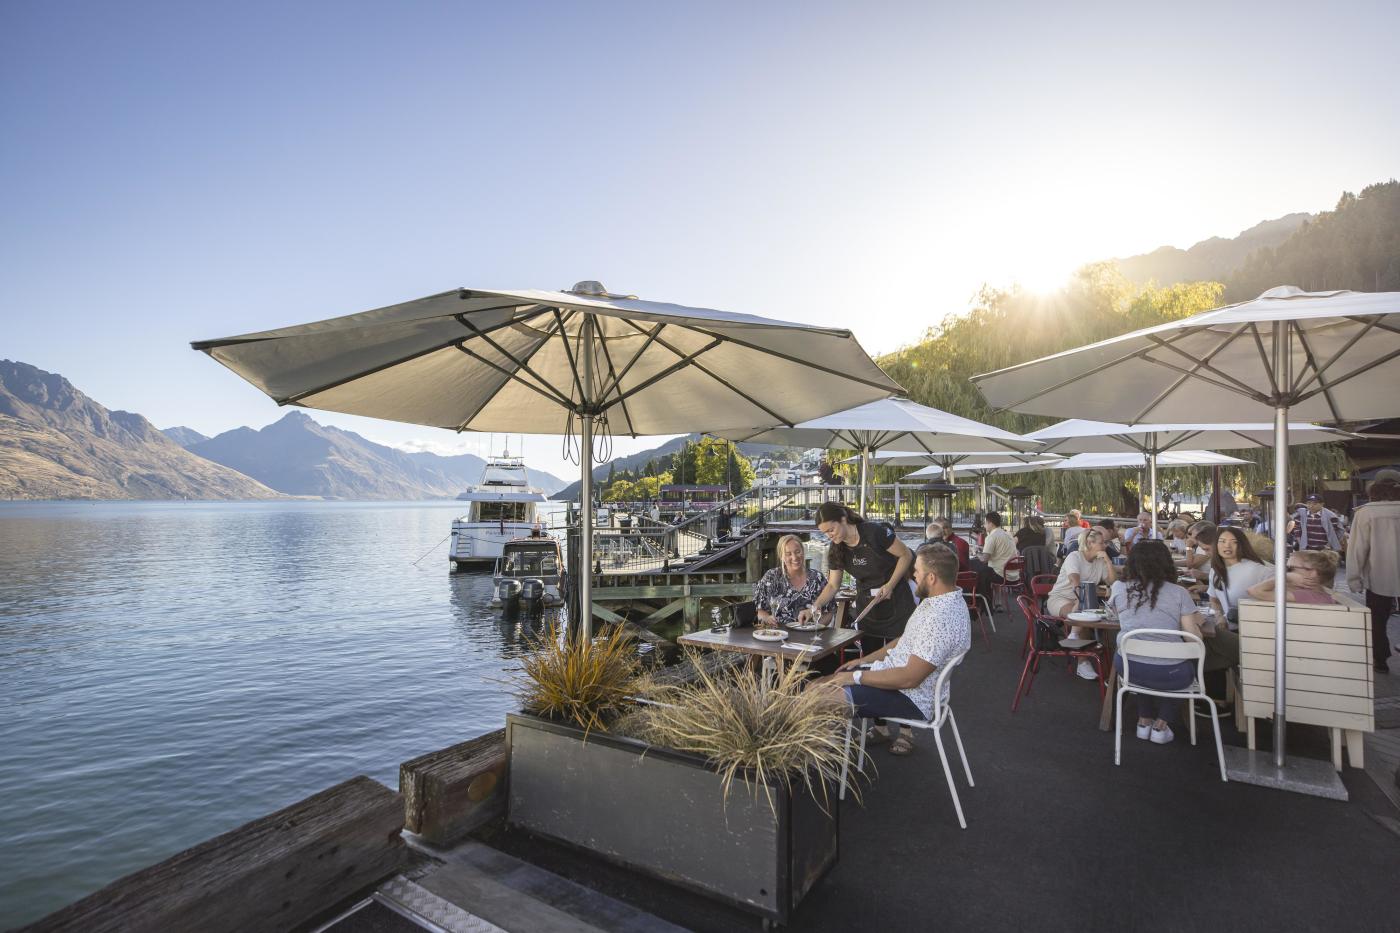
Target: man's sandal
{"x": 902, "y": 745}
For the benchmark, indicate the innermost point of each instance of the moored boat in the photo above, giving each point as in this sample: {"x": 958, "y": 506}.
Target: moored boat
{"x": 530, "y": 570}
{"x": 504, "y": 506}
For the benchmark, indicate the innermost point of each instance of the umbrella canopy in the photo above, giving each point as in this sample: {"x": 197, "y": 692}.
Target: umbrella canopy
{"x": 962, "y": 459}
{"x": 874, "y": 425}
{"x": 1317, "y": 356}
{"x": 1176, "y": 458}
{"x": 554, "y": 362}
{"x": 1076, "y": 436}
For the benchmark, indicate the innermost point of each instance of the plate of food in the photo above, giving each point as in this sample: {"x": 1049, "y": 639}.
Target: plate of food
{"x": 770, "y": 634}
{"x": 1088, "y": 615}
{"x": 811, "y": 626}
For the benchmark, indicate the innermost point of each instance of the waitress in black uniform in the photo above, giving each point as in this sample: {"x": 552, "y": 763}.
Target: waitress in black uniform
{"x": 880, "y": 562}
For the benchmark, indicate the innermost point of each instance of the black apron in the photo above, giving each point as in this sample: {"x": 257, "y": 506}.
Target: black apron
{"x": 872, "y": 566}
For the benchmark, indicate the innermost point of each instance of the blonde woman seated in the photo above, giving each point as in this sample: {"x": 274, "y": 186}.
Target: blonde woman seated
{"x": 1176, "y": 536}
{"x": 1309, "y": 578}
{"x": 1088, "y": 563}
{"x": 784, "y": 595}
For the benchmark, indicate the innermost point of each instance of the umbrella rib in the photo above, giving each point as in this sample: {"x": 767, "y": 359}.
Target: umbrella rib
{"x": 1317, "y": 374}
{"x": 789, "y": 358}
{"x": 1070, "y": 381}
{"x": 612, "y": 372}
{"x": 746, "y": 397}
{"x": 519, "y": 362}
{"x": 568, "y": 403}
{"x": 1257, "y": 396}
{"x": 651, "y": 336}
{"x": 1351, "y": 375}
{"x": 510, "y": 375}
{"x": 675, "y": 367}
{"x": 1264, "y": 358}
{"x": 1204, "y": 362}
{"x": 1161, "y": 396}
{"x": 296, "y": 398}
{"x": 569, "y": 352}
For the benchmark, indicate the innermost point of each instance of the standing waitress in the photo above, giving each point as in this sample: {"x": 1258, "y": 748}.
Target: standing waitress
{"x": 880, "y": 563}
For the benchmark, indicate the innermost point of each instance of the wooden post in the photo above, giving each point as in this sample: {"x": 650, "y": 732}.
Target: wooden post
{"x": 449, "y": 793}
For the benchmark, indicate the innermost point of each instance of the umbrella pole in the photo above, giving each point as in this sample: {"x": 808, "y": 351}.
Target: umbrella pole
{"x": 585, "y": 562}
{"x": 864, "y": 469}
{"x": 1280, "y": 566}
{"x": 1152, "y": 482}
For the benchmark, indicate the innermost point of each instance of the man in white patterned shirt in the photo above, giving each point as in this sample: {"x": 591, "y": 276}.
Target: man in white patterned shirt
{"x": 898, "y": 680}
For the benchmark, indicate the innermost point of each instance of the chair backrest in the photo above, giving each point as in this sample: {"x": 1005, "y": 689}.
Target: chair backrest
{"x": 967, "y": 581}
{"x": 1013, "y": 569}
{"x": 1043, "y": 583}
{"x": 1189, "y": 647}
{"x": 939, "y": 685}
{"x": 1029, "y": 608}
{"x": 1039, "y": 560}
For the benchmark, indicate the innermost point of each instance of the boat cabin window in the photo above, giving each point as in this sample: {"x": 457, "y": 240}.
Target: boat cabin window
{"x": 542, "y": 561}
{"x": 503, "y": 511}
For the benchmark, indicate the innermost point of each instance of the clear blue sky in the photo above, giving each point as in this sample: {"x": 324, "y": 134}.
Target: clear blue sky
{"x": 175, "y": 171}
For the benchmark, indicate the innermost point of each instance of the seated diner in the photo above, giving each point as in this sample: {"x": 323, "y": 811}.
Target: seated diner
{"x": 1087, "y": 563}
{"x": 783, "y": 595}
{"x": 898, "y": 680}
{"x": 1149, "y": 597}
{"x": 1309, "y": 579}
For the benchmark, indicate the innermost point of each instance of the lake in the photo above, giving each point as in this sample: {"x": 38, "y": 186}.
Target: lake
{"x": 171, "y": 670}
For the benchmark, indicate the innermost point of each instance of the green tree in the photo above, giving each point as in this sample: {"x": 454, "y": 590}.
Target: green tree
{"x": 620, "y": 491}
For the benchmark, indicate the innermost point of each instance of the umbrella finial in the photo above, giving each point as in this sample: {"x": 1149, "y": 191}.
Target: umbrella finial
{"x": 591, "y": 288}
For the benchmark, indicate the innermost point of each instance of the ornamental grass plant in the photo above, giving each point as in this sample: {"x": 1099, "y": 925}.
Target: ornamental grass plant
{"x": 781, "y": 733}
{"x": 586, "y": 684}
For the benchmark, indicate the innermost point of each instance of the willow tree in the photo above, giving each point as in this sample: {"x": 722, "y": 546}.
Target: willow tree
{"x": 1006, "y": 327}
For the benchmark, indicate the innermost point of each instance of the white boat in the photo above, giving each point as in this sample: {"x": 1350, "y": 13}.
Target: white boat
{"x": 504, "y": 506}
{"x": 529, "y": 574}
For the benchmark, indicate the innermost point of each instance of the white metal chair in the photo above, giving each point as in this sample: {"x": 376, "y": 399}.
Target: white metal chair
{"x": 1188, "y": 648}
{"x": 942, "y": 713}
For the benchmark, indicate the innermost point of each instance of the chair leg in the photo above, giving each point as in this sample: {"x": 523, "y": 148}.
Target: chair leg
{"x": 1191, "y": 715}
{"x": 1023, "y": 682}
{"x": 1219, "y": 746}
{"x": 962, "y": 753}
{"x": 990, "y": 614}
{"x": 864, "y": 728}
{"x": 1118, "y": 731}
{"x": 948, "y": 774}
{"x": 982, "y": 624}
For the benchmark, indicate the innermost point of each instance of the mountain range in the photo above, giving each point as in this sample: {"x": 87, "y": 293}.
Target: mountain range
{"x": 1212, "y": 260}
{"x": 57, "y": 443}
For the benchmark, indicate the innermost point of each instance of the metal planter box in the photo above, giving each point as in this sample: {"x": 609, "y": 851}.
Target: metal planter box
{"x": 663, "y": 812}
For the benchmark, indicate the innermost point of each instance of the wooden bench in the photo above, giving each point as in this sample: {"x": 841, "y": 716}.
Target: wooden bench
{"x": 271, "y": 874}
{"x": 1328, "y": 670}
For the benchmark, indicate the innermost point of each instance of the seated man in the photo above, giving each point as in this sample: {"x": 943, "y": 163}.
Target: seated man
{"x": 898, "y": 680}
{"x": 998, "y": 547}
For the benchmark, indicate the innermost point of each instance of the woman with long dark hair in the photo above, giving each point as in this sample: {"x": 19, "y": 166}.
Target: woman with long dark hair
{"x": 1149, "y": 597}
{"x": 879, "y": 561}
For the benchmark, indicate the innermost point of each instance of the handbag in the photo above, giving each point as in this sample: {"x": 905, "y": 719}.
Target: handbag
{"x": 1048, "y": 632}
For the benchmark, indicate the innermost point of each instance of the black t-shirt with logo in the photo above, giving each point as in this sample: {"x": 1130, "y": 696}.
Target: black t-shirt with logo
{"x": 872, "y": 564}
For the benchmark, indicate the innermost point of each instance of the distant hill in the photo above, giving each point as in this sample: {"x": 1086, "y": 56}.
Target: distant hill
{"x": 636, "y": 461}
{"x": 56, "y": 443}
{"x": 183, "y": 436}
{"x": 1211, "y": 260}
{"x": 299, "y": 456}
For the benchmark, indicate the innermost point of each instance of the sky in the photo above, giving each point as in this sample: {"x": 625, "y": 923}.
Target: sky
{"x": 175, "y": 171}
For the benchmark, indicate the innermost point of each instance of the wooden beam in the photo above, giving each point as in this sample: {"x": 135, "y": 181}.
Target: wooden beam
{"x": 607, "y": 615}
{"x": 623, "y": 593}
{"x": 449, "y": 793}
{"x": 669, "y": 609}
{"x": 274, "y": 873}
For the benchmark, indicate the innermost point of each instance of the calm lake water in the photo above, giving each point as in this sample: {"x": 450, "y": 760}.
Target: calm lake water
{"x": 169, "y": 671}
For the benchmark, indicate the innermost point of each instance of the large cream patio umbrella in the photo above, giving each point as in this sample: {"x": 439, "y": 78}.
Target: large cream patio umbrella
{"x": 1315, "y": 356}
{"x": 874, "y": 425}
{"x": 1078, "y": 436}
{"x": 581, "y": 363}
{"x": 974, "y": 462}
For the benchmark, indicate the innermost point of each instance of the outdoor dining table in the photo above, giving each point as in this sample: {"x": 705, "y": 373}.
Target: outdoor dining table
{"x": 801, "y": 647}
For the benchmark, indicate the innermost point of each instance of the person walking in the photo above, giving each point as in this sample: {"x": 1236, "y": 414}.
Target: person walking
{"x": 1317, "y": 527}
{"x": 1373, "y": 562}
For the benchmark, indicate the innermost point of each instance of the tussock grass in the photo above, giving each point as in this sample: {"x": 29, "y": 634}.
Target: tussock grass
{"x": 586, "y": 684}
{"x": 763, "y": 737}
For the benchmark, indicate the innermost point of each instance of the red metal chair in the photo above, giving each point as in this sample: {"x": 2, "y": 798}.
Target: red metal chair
{"x": 1092, "y": 652}
{"x": 967, "y": 582}
{"x": 1013, "y": 585}
{"x": 1040, "y": 587}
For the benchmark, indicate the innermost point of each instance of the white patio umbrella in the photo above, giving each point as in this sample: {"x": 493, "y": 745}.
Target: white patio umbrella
{"x": 1175, "y": 458}
{"x": 1077, "y": 435}
{"x": 874, "y": 425}
{"x": 559, "y": 362}
{"x": 1316, "y": 356}
{"x": 962, "y": 460}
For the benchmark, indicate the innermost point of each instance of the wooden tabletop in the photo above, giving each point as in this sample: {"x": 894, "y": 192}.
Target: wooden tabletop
{"x": 740, "y": 640}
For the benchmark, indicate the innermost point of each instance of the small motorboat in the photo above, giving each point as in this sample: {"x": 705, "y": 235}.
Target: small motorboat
{"x": 529, "y": 574}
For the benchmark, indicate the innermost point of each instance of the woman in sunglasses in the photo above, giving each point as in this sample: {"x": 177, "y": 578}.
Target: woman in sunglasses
{"x": 1310, "y": 575}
